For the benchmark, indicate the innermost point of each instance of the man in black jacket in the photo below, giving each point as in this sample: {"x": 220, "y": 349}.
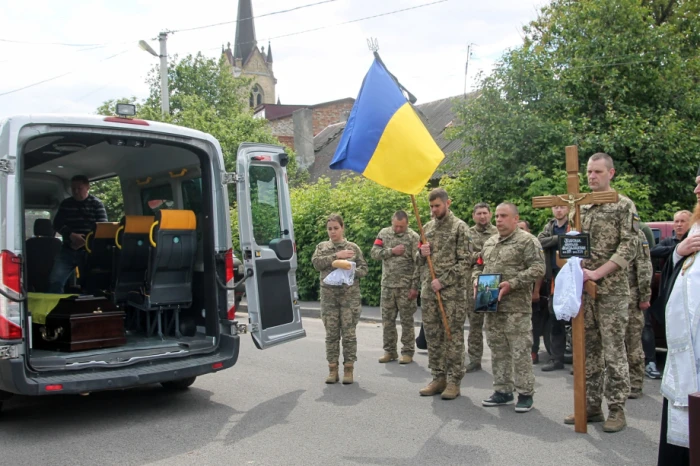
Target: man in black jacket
{"x": 549, "y": 239}
{"x": 681, "y": 225}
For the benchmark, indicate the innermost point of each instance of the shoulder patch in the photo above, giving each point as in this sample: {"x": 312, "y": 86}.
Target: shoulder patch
{"x": 635, "y": 221}
{"x": 378, "y": 242}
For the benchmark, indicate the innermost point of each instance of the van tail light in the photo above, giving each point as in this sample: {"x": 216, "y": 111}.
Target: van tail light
{"x": 53, "y": 388}
{"x": 10, "y": 281}
{"x": 230, "y": 294}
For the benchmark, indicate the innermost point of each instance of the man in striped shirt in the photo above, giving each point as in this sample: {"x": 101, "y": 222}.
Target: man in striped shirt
{"x": 75, "y": 218}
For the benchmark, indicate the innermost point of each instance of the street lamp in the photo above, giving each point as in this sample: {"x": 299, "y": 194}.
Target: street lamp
{"x": 164, "y": 93}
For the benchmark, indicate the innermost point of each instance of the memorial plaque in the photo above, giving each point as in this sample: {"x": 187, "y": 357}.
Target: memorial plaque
{"x": 575, "y": 246}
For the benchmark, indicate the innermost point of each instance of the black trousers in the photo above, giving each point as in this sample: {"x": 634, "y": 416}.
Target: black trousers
{"x": 557, "y": 336}
{"x": 539, "y": 320}
{"x": 648, "y": 339}
{"x": 670, "y": 455}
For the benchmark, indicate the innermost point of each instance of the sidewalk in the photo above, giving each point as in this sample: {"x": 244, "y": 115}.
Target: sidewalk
{"x": 312, "y": 309}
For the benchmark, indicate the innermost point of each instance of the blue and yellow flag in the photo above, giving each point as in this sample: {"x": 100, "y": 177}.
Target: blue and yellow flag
{"x": 384, "y": 138}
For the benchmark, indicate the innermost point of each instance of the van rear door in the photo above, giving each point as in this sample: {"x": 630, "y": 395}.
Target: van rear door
{"x": 267, "y": 244}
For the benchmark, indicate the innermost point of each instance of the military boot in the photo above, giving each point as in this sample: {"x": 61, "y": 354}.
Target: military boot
{"x": 332, "y": 373}
{"x": 388, "y": 357}
{"x": 406, "y": 359}
{"x": 592, "y": 415}
{"x": 435, "y": 387}
{"x": 616, "y": 419}
{"x": 347, "y": 374}
{"x": 451, "y": 391}
{"x": 473, "y": 367}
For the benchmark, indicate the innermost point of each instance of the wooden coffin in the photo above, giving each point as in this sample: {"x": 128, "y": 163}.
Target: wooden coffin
{"x": 80, "y": 324}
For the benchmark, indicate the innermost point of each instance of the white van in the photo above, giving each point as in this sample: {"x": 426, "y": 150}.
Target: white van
{"x": 162, "y": 275}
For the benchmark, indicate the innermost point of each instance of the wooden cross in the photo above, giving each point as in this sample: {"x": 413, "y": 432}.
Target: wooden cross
{"x": 574, "y": 199}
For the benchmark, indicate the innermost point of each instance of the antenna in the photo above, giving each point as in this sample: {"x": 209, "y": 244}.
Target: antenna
{"x": 373, "y": 44}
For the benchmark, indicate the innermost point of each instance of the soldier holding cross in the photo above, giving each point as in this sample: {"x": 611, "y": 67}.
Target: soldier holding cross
{"x": 613, "y": 231}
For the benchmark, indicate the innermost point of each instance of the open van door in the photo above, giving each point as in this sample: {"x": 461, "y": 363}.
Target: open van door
{"x": 267, "y": 244}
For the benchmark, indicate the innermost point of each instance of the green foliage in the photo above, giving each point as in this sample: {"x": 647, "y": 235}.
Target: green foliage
{"x": 617, "y": 76}
{"x": 109, "y": 191}
{"x": 366, "y": 208}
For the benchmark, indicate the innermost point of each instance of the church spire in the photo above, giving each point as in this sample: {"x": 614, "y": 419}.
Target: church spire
{"x": 245, "y": 31}
{"x": 269, "y": 53}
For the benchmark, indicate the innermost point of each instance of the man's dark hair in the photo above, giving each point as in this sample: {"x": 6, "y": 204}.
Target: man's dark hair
{"x": 481, "y": 205}
{"x": 400, "y": 215}
{"x": 80, "y": 178}
{"x": 438, "y": 193}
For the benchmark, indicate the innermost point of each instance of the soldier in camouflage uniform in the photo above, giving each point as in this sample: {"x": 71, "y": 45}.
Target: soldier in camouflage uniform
{"x": 450, "y": 249}
{"x": 613, "y": 229}
{"x": 639, "y": 275}
{"x": 396, "y": 246}
{"x": 518, "y": 257}
{"x": 479, "y": 233}
{"x": 340, "y": 305}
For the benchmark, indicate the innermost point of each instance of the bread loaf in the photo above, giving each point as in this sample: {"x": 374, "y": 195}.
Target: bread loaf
{"x": 342, "y": 264}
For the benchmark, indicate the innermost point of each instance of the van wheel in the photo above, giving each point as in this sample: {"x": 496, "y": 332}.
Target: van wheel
{"x": 182, "y": 384}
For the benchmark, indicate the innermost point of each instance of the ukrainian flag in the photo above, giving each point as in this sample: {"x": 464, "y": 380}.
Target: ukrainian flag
{"x": 384, "y": 138}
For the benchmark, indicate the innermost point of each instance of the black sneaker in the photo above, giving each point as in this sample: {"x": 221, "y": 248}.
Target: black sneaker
{"x": 498, "y": 399}
{"x": 552, "y": 365}
{"x": 524, "y": 404}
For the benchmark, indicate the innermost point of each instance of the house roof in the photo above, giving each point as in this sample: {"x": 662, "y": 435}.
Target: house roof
{"x": 437, "y": 117}
{"x": 277, "y": 111}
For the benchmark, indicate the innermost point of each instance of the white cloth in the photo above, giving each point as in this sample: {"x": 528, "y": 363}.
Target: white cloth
{"x": 338, "y": 277}
{"x": 568, "y": 287}
{"x": 681, "y": 373}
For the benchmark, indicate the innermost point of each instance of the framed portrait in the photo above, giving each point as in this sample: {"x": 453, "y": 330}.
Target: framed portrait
{"x": 487, "y": 293}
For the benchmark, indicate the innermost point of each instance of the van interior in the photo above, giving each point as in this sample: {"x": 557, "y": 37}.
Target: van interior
{"x": 154, "y": 260}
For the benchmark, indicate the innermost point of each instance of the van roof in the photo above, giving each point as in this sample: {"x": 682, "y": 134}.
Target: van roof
{"x": 99, "y": 121}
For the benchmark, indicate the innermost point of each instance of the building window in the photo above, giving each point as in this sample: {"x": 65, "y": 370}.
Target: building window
{"x": 256, "y": 96}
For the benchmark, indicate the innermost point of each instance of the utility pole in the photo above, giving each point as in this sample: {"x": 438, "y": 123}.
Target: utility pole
{"x": 466, "y": 68}
{"x": 164, "y": 93}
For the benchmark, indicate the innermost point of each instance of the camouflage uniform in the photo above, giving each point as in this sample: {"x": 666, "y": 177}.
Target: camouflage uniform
{"x": 520, "y": 261}
{"x": 340, "y": 305}
{"x": 398, "y": 277}
{"x": 475, "y": 339}
{"x": 451, "y": 253}
{"x": 640, "y": 272}
{"x": 613, "y": 229}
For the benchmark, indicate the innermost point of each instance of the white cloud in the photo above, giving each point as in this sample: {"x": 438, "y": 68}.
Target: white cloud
{"x": 425, "y": 48}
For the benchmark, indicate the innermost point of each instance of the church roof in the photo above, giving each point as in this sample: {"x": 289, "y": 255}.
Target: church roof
{"x": 245, "y": 31}
{"x": 269, "y": 53}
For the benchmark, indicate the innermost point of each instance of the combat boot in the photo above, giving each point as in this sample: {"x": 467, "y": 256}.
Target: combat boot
{"x": 435, "y": 387}
{"x": 616, "y": 419}
{"x": 347, "y": 374}
{"x": 406, "y": 359}
{"x": 473, "y": 367}
{"x": 593, "y": 415}
{"x": 332, "y": 373}
{"x": 388, "y": 357}
{"x": 451, "y": 391}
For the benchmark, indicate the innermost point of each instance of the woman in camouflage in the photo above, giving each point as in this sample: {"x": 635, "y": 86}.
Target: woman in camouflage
{"x": 340, "y": 305}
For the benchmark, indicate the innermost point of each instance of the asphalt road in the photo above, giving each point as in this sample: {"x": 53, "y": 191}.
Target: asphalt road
{"x": 273, "y": 408}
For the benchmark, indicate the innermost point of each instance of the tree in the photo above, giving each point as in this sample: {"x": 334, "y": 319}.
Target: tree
{"x": 617, "y": 76}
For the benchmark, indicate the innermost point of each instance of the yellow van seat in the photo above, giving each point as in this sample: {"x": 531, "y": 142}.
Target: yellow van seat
{"x": 106, "y": 230}
{"x": 177, "y": 220}
{"x": 138, "y": 223}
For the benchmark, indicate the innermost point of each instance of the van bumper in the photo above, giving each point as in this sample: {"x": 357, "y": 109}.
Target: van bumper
{"x": 15, "y": 378}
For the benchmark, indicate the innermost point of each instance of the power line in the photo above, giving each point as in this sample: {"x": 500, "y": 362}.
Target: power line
{"x": 47, "y": 43}
{"x": 346, "y": 22}
{"x": 255, "y": 17}
{"x": 59, "y": 76}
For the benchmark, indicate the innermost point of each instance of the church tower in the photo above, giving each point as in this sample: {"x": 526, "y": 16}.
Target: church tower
{"x": 248, "y": 60}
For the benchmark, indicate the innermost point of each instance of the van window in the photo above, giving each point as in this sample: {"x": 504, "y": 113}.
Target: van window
{"x": 157, "y": 198}
{"x": 109, "y": 191}
{"x": 264, "y": 198}
{"x": 192, "y": 195}
{"x": 30, "y": 216}
{"x": 657, "y": 236}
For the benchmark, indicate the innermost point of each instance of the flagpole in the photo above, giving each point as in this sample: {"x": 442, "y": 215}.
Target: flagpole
{"x": 432, "y": 270}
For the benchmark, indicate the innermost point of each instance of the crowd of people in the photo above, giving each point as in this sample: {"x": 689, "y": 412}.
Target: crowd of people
{"x": 444, "y": 269}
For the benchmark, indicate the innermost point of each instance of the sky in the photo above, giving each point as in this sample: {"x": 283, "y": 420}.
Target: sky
{"x": 91, "y": 47}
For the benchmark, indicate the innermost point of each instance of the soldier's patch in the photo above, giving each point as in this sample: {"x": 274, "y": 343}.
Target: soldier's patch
{"x": 480, "y": 260}
{"x": 379, "y": 242}
{"x": 635, "y": 222}
{"x": 645, "y": 245}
